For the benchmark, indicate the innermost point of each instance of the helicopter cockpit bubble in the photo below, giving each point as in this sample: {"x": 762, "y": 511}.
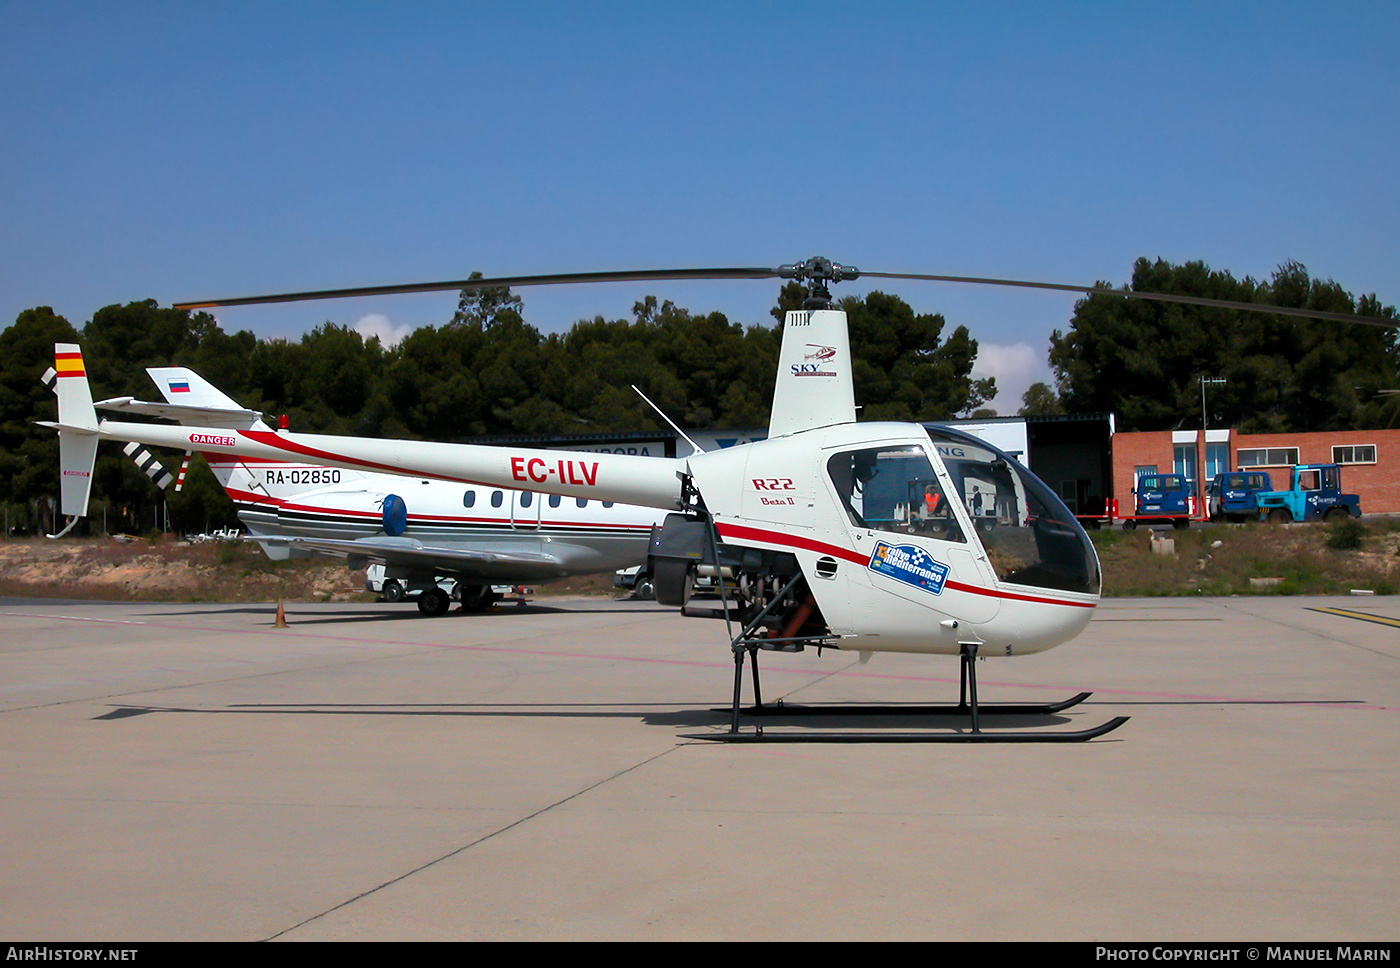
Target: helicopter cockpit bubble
{"x": 1030, "y": 537}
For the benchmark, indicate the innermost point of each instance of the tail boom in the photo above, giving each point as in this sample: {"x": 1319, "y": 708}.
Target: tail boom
{"x": 646, "y": 481}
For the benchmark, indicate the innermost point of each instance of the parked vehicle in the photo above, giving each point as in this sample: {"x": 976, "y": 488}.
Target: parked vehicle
{"x": 1162, "y": 497}
{"x": 1314, "y": 494}
{"x": 401, "y": 587}
{"x": 398, "y": 588}
{"x": 1233, "y": 495}
{"x": 636, "y": 579}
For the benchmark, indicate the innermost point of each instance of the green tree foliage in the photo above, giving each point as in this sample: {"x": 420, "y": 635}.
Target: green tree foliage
{"x": 1143, "y": 360}
{"x": 481, "y": 308}
{"x": 29, "y": 453}
{"x": 121, "y": 341}
{"x": 1040, "y": 400}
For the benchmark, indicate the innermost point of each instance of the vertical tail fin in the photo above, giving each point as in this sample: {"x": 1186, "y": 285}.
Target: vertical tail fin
{"x": 266, "y": 483}
{"x": 75, "y": 408}
{"x": 77, "y": 430}
{"x": 814, "y": 387}
{"x": 181, "y": 385}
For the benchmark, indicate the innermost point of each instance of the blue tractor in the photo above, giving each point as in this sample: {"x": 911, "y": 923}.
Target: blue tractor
{"x": 1314, "y": 494}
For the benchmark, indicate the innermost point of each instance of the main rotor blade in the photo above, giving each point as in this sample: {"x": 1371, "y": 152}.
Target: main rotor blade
{"x": 1158, "y": 296}
{"x": 566, "y": 278}
{"x": 652, "y": 275}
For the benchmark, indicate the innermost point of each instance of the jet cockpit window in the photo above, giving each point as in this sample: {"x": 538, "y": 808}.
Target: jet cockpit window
{"x": 1031, "y": 538}
{"x": 893, "y": 489}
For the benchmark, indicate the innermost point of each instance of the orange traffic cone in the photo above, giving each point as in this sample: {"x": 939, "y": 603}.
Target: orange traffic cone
{"x": 281, "y": 620}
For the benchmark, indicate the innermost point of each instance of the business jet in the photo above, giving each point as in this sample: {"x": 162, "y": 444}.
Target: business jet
{"x": 421, "y": 531}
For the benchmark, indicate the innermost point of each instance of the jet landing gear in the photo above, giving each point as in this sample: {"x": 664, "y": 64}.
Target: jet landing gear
{"x": 967, "y": 706}
{"x": 434, "y": 602}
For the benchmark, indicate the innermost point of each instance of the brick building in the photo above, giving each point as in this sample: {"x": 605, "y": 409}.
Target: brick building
{"x": 1370, "y": 459}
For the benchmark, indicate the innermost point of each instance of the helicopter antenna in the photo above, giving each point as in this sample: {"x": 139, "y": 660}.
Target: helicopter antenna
{"x": 698, "y": 448}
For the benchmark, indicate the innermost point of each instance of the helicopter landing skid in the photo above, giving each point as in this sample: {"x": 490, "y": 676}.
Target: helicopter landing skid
{"x": 967, "y": 706}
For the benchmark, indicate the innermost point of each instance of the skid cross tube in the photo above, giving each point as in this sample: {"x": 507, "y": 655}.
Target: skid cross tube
{"x": 968, "y": 705}
{"x": 741, "y": 646}
{"x": 747, "y": 641}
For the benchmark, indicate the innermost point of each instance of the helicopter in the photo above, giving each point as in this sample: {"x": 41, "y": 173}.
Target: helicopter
{"x": 866, "y": 537}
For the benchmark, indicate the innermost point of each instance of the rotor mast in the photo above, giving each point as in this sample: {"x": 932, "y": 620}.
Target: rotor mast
{"x": 816, "y": 273}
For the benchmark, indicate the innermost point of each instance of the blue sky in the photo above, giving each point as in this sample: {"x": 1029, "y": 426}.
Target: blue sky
{"x": 180, "y": 151}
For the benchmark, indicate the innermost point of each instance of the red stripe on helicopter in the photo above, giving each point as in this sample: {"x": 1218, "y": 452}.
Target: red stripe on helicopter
{"x": 807, "y": 544}
{"x": 791, "y": 541}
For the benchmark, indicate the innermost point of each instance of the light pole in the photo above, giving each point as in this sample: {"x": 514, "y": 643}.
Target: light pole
{"x": 1205, "y": 426}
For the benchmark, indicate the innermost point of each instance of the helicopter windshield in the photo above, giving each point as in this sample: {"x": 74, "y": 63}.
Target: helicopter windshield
{"x": 1030, "y": 536}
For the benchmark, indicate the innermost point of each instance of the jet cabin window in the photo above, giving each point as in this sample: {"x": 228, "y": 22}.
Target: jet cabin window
{"x": 893, "y": 489}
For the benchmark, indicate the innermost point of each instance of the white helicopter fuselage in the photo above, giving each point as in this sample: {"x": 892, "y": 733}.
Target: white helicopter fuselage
{"x": 902, "y": 578}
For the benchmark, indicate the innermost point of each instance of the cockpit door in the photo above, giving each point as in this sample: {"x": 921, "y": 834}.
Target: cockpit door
{"x": 914, "y": 534}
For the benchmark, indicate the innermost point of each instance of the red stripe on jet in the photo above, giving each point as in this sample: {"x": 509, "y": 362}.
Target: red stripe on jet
{"x": 253, "y": 497}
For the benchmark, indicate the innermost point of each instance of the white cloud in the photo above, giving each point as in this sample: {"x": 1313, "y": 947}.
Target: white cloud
{"x": 1016, "y": 366}
{"x": 377, "y": 324}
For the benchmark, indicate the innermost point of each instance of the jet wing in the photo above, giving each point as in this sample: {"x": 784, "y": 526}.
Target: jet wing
{"x": 494, "y": 567}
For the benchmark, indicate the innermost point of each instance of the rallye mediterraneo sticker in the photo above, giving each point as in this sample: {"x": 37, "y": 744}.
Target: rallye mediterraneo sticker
{"x": 909, "y": 564}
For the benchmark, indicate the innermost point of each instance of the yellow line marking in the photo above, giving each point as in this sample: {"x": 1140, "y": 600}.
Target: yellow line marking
{"x": 1361, "y": 616}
